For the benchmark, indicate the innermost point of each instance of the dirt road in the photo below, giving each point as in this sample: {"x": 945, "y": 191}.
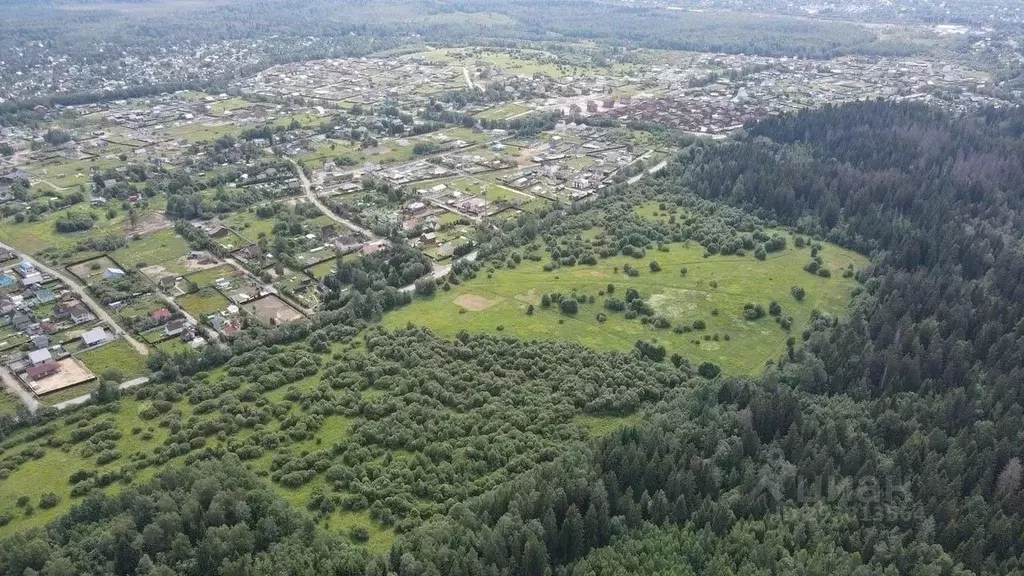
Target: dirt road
{"x": 11, "y": 383}
{"x": 311, "y": 196}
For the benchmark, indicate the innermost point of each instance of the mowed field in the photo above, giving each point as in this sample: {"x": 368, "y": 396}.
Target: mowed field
{"x": 718, "y": 283}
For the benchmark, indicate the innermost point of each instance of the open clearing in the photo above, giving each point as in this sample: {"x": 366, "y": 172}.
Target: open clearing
{"x": 118, "y": 356}
{"x": 722, "y": 283}
{"x": 473, "y": 303}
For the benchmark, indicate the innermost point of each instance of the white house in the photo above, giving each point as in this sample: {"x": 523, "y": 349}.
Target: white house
{"x": 94, "y": 337}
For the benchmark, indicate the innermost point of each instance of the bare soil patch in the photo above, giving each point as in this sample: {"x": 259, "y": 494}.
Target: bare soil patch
{"x": 152, "y": 222}
{"x": 474, "y": 303}
{"x": 72, "y": 372}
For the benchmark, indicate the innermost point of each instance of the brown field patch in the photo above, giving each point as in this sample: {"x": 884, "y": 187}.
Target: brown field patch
{"x": 474, "y": 303}
{"x": 148, "y": 224}
{"x": 72, "y": 373}
{"x": 272, "y": 310}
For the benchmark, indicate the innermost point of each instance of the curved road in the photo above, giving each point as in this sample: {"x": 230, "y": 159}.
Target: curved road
{"x": 308, "y": 190}
{"x": 14, "y": 387}
{"x": 96, "y": 308}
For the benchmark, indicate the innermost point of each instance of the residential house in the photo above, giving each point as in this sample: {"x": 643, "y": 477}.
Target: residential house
{"x": 249, "y": 253}
{"x": 374, "y": 247}
{"x": 113, "y": 273}
{"x": 174, "y": 327}
{"x": 32, "y": 279}
{"x": 42, "y": 371}
{"x": 6, "y": 281}
{"x": 428, "y": 238}
{"x": 94, "y": 337}
{"x": 72, "y": 310}
{"x": 24, "y": 268}
{"x": 6, "y": 254}
{"x": 168, "y": 283}
{"x": 20, "y": 320}
{"x": 40, "y": 341}
{"x": 41, "y": 356}
{"x": 161, "y": 315}
{"x": 346, "y": 244}
{"x": 45, "y": 296}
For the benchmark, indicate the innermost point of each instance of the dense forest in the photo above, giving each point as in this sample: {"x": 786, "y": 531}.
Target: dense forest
{"x": 888, "y": 442}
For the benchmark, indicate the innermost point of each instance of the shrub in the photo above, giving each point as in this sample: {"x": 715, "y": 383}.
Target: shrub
{"x": 359, "y": 534}
{"x": 797, "y": 292}
{"x": 568, "y": 306}
{"x": 48, "y": 500}
{"x": 708, "y": 370}
{"x": 655, "y": 267}
{"x": 752, "y": 311}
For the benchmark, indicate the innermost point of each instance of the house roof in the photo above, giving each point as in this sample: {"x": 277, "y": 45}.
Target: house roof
{"x": 37, "y": 372}
{"x": 97, "y": 334}
{"x": 40, "y": 356}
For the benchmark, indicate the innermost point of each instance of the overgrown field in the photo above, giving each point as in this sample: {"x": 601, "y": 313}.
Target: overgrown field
{"x": 714, "y": 291}
{"x": 340, "y": 435}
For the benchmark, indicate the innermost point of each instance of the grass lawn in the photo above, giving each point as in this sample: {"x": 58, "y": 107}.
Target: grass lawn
{"x": 70, "y": 393}
{"x": 203, "y": 303}
{"x": 173, "y": 346}
{"x": 323, "y": 269}
{"x": 32, "y": 237}
{"x": 219, "y": 108}
{"x": 205, "y": 278}
{"x": 119, "y": 356}
{"x": 248, "y": 225}
{"x": 502, "y": 112}
{"x": 604, "y": 425}
{"x": 723, "y": 283}
{"x": 159, "y": 248}
{"x": 8, "y": 403}
{"x": 201, "y": 132}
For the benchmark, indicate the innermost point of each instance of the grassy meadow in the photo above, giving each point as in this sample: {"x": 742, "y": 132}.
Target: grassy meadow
{"x": 721, "y": 284}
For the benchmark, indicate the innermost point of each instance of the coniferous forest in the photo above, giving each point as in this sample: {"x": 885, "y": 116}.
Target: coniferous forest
{"x": 887, "y": 441}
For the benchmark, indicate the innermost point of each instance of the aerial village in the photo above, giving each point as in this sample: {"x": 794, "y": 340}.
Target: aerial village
{"x": 172, "y": 222}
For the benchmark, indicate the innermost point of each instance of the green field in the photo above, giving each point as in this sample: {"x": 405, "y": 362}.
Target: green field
{"x": 722, "y": 283}
{"x": 69, "y": 393}
{"x": 159, "y": 248}
{"x": 8, "y": 403}
{"x": 502, "y": 112}
{"x": 119, "y": 356}
{"x": 205, "y": 278}
{"x": 32, "y": 237}
{"x": 204, "y": 302}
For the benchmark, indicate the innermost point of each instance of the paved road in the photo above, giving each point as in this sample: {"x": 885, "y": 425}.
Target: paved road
{"x": 96, "y": 307}
{"x": 441, "y": 271}
{"x": 12, "y": 384}
{"x": 323, "y": 208}
{"x": 85, "y": 398}
{"x": 653, "y": 170}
